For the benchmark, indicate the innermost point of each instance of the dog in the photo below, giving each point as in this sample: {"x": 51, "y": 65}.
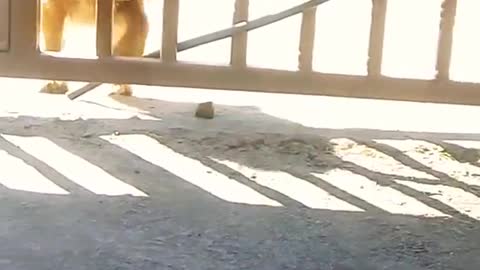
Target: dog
{"x": 130, "y": 30}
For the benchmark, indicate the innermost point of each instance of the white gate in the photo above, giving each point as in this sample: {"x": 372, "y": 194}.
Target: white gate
{"x": 20, "y": 57}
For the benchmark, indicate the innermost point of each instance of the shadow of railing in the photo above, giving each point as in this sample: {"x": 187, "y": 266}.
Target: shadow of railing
{"x": 329, "y": 191}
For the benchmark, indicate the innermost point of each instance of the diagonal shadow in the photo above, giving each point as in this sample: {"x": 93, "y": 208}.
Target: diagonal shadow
{"x": 44, "y": 169}
{"x": 110, "y": 107}
{"x": 336, "y": 192}
{"x": 178, "y": 123}
{"x": 184, "y": 220}
{"x": 201, "y": 155}
{"x": 340, "y": 194}
{"x": 388, "y": 181}
{"x": 381, "y": 179}
{"x": 444, "y": 179}
{"x": 131, "y": 169}
{"x": 459, "y": 153}
{"x": 277, "y": 196}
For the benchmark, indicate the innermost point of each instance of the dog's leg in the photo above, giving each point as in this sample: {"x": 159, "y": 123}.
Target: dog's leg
{"x": 132, "y": 25}
{"x": 53, "y": 18}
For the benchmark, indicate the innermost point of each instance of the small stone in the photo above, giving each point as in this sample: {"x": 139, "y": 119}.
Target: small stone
{"x": 205, "y": 110}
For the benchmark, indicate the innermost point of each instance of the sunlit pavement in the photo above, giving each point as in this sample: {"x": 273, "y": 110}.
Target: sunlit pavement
{"x": 273, "y": 182}
{"x": 106, "y": 183}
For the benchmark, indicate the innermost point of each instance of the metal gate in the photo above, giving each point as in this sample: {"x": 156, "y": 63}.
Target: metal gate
{"x": 21, "y": 58}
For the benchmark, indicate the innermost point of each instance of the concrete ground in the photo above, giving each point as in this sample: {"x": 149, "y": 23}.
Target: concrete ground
{"x": 273, "y": 182}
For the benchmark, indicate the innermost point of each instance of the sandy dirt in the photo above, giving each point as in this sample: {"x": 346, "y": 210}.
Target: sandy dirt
{"x": 181, "y": 226}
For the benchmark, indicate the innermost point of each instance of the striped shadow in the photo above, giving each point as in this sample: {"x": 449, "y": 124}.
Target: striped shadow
{"x": 189, "y": 170}
{"x": 464, "y": 202}
{"x": 436, "y": 158}
{"x": 386, "y": 198}
{"x": 17, "y": 175}
{"x": 297, "y": 189}
{"x": 76, "y": 169}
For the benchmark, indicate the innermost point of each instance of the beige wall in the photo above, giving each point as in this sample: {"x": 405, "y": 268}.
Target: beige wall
{"x": 4, "y": 24}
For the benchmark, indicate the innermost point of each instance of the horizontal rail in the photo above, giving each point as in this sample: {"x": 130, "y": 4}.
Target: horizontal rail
{"x": 25, "y": 61}
{"x": 249, "y": 79}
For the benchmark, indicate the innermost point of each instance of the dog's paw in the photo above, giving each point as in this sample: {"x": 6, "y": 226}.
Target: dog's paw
{"x": 122, "y": 90}
{"x": 59, "y": 88}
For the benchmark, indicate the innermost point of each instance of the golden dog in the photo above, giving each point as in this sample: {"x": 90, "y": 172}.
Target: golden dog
{"x": 130, "y": 29}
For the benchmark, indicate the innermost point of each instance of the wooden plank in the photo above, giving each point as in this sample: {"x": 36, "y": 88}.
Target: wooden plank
{"x": 4, "y": 25}
{"x": 377, "y": 35}
{"x": 104, "y": 27}
{"x": 238, "y": 56}
{"x": 445, "y": 39}
{"x": 153, "y": 72}
{"x": 170, "y": 30}
{"x": 307, "y": 40}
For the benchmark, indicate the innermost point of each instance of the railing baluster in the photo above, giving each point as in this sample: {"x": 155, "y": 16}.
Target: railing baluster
{"x": 238, "y": 55}
{"x": 25, "y": 27}
{"x": 4, "y": 25}
{"x": 170, "y": 30}
{"x": 377, "y": 35}
{"x": 307, "y": 40}
{"x": 445, "y": 39}
{"x": 104, "y": 27}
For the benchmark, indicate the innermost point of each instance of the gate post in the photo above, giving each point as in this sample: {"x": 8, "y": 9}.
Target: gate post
{"x": 24, "y": 28}
{"x": 4, "y": 25}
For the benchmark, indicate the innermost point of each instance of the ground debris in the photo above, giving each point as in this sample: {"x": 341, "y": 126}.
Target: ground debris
{"x": 205, "y": 110}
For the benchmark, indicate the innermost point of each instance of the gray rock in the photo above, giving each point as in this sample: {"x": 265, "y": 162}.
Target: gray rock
{"x": 205, "y": 110}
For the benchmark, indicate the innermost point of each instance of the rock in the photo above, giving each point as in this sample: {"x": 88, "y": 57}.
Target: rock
{"x": 205, "y": 110}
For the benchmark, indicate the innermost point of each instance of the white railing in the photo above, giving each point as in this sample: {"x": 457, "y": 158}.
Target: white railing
{"x": 23, "y": 59}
